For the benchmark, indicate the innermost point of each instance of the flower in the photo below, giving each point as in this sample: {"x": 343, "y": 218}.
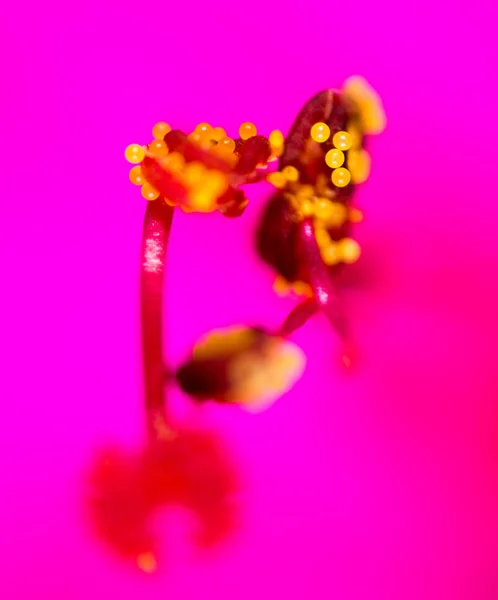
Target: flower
{"x": 304, "y": 235}
{"x": 241, "y": 365}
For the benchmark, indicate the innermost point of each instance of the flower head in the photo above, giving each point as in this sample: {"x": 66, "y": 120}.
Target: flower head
{"x": 241, "y": 365}
{"x": 202, "y": 171}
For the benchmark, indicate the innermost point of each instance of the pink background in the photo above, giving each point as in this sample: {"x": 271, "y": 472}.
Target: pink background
{"x": 380, "y": 484}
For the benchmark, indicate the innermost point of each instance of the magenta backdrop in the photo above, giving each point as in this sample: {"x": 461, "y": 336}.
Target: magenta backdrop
{"x": 377, "y": 485}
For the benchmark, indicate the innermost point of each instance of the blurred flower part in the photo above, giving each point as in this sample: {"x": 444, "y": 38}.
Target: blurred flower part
{"x": 241, "y": 365}
{"x": 182, "y": 468}
{"x": 203, "y": 171}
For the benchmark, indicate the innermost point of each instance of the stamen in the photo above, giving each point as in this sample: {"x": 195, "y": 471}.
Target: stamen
{"x": 341, "y": 177}
{"x": 334, "y": 158}
{"x": 134, "y": 154}
{"x": 247, "y": 130}
{"x": 160, "y": 130}
{"x": 320, "y": 132}
{"x": 136, "y": 176}
{"x": 149, "y": 192}
{"x": 342, "y": 140}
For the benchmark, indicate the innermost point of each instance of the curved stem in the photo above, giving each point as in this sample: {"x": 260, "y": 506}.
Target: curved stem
{"x": 157, "y": 226}
{"x": 297, "y": 317}
{"x": 319, "y": 278}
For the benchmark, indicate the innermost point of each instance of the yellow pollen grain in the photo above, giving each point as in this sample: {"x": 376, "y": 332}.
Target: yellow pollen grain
{"x": 277, "y": 179}
{"x": 341, "y": 177}
{"x": 149, "y": 192}
{"x": 247, "y": 130}
{"x": 331, "y": 254}
{"x": 334, "y": 158}
{"x": 320, "y": 132}
{"x": 136, "y": 176}
{"x": 134, "y": 154}
{"x": 359, "y": 165}
{"x": 342, "y": 140}
{"x": 158, "y": 148}
{"x": 291, "y": 173}
{"x": 349, "y": 250}
{"x": 160, "y": 130}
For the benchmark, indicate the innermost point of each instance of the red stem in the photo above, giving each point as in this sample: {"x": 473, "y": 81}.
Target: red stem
{"x": 319, "y": 278}
{"x": 298, "y": 316}
{"x": 157, "y": 226}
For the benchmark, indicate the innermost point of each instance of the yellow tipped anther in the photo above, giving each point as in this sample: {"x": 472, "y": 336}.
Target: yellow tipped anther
{"x": 291, "y": 173}
{"x": 333, "y": 214}
{"x": 349, "y": 250}
{"x": 342, "y": 140}
{"x": 147, "y": 562}
{"x": 320, "y": 132}
{"x": 359, "y": 164}
{"x": 158, "y": 148}
{"x": 136, "y": 176}
{"x": 341, "y": 177}
{"x": 277, "y": 179}
{"x": 334, "y": 158}
{"x": 149, "y": 192}
{"x": 355, "y": 215}
{"x": 226, "y": 145}
{"x": 247, "y": 130}
{"x": 281, "y": 286}
{"x": 322, "y": 238}
{"x": 134, "y": 154}
{"x": 218, "y": 133}
{"x": 305, "y": 192}
{"x": 276, "y": 139}
{"x": 302, "y": 289}
{"x": 356, "y": 137}
{"x": 331, "y": 254}
{"x": 160, "y": 130}
{"x": 277, "y": 143}
{"x": 203, "y": 129}
{"x": 306, "y": 208}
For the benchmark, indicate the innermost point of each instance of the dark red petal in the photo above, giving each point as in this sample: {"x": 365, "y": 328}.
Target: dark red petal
{"x": 233, "y": 202}
{"x": 252, "y": 152}
{"x": 319, "y": 278}
{"x": 277, "y": 238}
{"x": 309, "y": 157}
